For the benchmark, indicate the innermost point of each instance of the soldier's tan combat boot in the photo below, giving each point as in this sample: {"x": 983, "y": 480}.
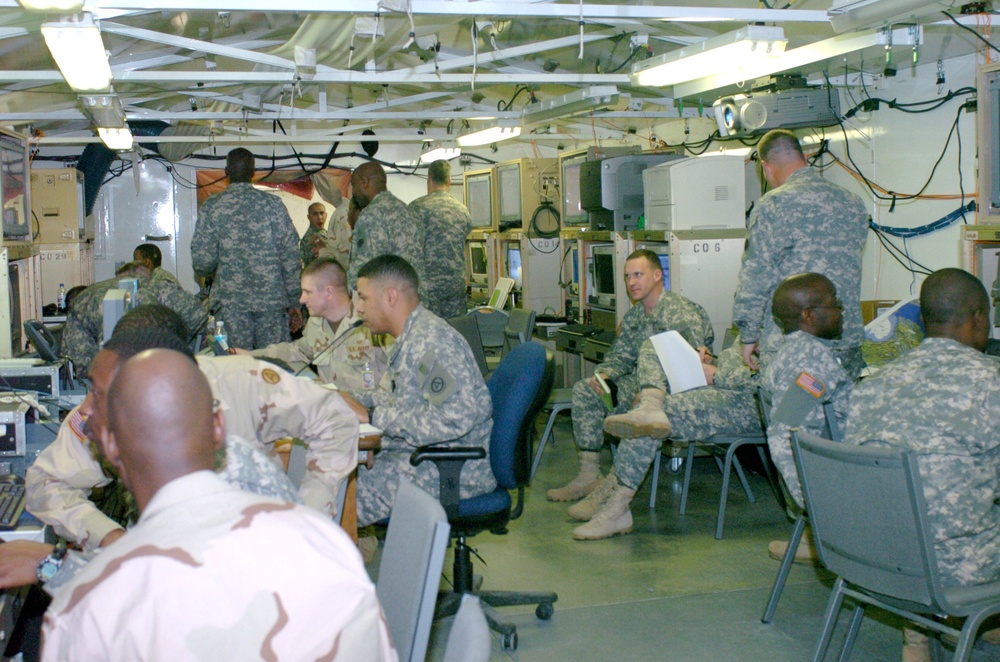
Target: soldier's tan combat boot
{"x": 646, "y": 419}
{"x": 585, "y": 481}
{"x": 613, "y": 519}
{"x": 584, "y": 510}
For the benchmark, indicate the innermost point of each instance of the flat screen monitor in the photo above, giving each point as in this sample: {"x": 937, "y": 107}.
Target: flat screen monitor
{"x": 604, "y": 270}
{"x": 665, "y": 266}
{"x": 477, "y": 262}
{"x": 576, "y": 266}
{"x": 573, "y": 212}
{"x": 509, "y": 194}
{"x": 514, "y": 264}
{"x": 479, "y": 200}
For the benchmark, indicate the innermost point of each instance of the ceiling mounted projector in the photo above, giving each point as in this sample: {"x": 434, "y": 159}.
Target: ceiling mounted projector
{"x": 758, "y": 112}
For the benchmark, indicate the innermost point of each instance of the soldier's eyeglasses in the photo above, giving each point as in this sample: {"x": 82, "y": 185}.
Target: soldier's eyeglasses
{"x": 837, "y": 305}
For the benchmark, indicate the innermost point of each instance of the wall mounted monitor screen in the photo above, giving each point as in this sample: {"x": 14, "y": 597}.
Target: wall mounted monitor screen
{"x": 665, "y": 266}
{"x": 477, "y": 262}
{"x": 573, "y": 212}
{"x": 509, "y": 194}
{"x": 514, "y": 265}
{"x": 604, "y": 270}
{"x": 479, "y": 200}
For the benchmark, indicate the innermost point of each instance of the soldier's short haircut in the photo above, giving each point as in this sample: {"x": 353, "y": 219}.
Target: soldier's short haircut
{"x": 131, "y": 269}
{"x": 329, "y": 269}
{"x": 128, "y": 344}
{"x": 152, "y": 316}
{"x": 390, "y": 267}
{"x": 795, "y": 294}
{"x": 240, "y": 164}
{"x": 779, "y": 145}
{"x": 651, "y": 257}
{"x": 150, "y": 252}
{"x": 439, "y": 172}
{"x": 950, "y": 296}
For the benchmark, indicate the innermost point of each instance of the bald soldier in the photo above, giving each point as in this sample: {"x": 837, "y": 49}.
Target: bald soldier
{"x": 261, "y": 404}
{"x": 224, "y": 573}
{"x": 316, "y": 238}
{"x": 384, "y": 227}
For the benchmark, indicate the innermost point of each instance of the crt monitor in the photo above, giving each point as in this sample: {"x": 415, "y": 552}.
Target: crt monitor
{"x": 509, "y": 195}
{"x": 573, "y": 212}
{"x": 479, "y": 200}
{"x": 477, "y": 262}
{"x": 514, "y": 264}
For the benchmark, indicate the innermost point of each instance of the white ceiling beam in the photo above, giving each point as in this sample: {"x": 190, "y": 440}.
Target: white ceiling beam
{"x": 356, "y": 77}
{"x": 496, "y": 8}
{"x": 284, "y": 113}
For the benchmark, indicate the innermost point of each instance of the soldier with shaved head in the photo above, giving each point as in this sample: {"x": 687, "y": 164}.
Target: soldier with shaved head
{"x": 223, "y": 573}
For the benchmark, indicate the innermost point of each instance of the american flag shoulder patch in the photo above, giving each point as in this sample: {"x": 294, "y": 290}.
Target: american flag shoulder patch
{"x": 811, "y": 385}
{"x": 76, "y": 421}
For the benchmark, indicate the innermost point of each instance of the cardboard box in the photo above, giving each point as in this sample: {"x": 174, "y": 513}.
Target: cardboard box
{"x": 874, "y": 307}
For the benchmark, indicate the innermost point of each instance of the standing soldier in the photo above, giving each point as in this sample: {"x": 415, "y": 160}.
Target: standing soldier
{"x": 246, "y": 239}
{"x": 316, "y": 238}
{"x": 446, "y": 223}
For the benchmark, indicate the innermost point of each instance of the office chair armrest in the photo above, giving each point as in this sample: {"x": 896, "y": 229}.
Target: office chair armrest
{"x": 449, "y": 461}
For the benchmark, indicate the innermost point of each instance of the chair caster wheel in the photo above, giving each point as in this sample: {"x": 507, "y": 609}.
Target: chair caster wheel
{"x": 508, "y": 642}
{"x": 675, "y": 465}
{"x": 544, "y": 611}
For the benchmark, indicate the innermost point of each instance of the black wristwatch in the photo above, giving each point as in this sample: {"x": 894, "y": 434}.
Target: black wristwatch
{"x": 49, "y": 566}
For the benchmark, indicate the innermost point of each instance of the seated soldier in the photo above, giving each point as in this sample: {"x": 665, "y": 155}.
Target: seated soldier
{"x": 345, "y": 353}
{"x": 149, "y": 256}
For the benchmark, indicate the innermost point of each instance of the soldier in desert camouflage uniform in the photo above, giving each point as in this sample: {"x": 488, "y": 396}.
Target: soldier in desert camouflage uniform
{"x": 654, "y": 311}
{"x": 245, "y": 239}
{"x": 385, "y": 226}
{"x": 84, "y": 330}
{"x": 340, "y": 229}
{"x": 433, "y": 392}
{"x": 446, "y": 224}
{"x": 316, "y": 238}
{"x": 345, "y": 355}
{"x": 726, "y": 406}
{"x": 803, "y": 224}
{"x": 942, "y": 401}
{"x": 224, "y": 574}
{"x": 259, "y": 403}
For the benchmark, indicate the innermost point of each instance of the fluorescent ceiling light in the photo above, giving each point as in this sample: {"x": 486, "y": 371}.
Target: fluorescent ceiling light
{"x": 76, "y": 46}
{"x": 754, "y": 42}
{"x": 574, "y": 103}
{"x": 798, "y": 57}
{"x": 104, "y": 110}
{"x": 53, "y": 6}
{"x": 490, "y": 135}
{"x": 119, "y": 140}
{"x": 441, "y": 153}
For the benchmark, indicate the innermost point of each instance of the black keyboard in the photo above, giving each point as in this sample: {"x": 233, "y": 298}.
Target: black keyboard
{"x": 11, "y": 505}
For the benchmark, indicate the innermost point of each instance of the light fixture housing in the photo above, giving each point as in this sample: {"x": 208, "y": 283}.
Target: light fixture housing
{"x": 576, "y": 102}
{"x": 104, "y": 110}
{"x": 52, "y": 6}
{"x": 445, "y": 152}
{"x": 119, "y": 140}
{"x": 848, "y": 15}
{"x": 502, "y": 130}
{"x": 711, "y": 56}
{"x": 76, "y": 46}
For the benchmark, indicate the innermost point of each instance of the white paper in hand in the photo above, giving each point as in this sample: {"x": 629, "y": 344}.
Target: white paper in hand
{"x": 680, "y": 361}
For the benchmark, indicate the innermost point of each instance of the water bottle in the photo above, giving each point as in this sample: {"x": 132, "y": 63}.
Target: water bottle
{"x": 61, "y": 297}
{"x": 220, "y": 335}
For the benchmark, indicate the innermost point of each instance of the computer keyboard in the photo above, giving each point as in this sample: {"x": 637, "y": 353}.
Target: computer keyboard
{"x": 11, "y": 504}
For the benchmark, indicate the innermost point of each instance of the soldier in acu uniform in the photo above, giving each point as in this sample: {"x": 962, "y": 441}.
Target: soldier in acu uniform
{"x": 433, "y": 392}
{"x": 447, "y": 224}
{"x": 385, "y": 226}
{"x": 803, "y": 224}
{"x": 655, "y": 310}
{"x": 84, "y": 330}
{"x": 316, "y": 238}
{"x": 246, "y": 240}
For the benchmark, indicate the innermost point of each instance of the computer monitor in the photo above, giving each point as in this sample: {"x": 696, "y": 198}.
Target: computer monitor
{"x": 514, "y": 264}
{"x": 665, "y": 267}
{"x": 509, "y": 195}
{"x": 479, "y": 199}
{"x": 477, "y": 262}
{"x": 573, "y": 212}
{"x": 602, "y": 271}
{"x": 115, "y": 305}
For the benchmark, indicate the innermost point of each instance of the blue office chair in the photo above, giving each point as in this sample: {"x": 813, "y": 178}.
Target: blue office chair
{"x": 519, "y": 387}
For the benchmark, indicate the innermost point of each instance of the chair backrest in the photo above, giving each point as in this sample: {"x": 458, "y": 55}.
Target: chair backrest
{"x": 520, "y": 325}
{"x": 519, "y": 386}
{"x": 469, "y": 639}
{"x": 468, "y": 326}
{"x": 868, "y": 516}
{"x": 491, "y": 325}
{"x": 793, "y": 416}
{"x": 410, "y": 572}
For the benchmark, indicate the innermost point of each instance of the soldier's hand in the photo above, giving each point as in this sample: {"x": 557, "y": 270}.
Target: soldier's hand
{"x": 112, "y": 536}
{"x": 359, "y": 409}
{"x": 237, "y": 350}
{"x": 294, "y": 320}
{"x": 18, "y": 561}
{"x": 749, "y": 355}
{"x": 709, "y": 371}
{"x": 705, "y": 354}
{"x": 595, "y": 386}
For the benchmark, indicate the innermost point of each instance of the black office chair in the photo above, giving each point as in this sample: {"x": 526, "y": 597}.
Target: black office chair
{"x": 519, "y": 387}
